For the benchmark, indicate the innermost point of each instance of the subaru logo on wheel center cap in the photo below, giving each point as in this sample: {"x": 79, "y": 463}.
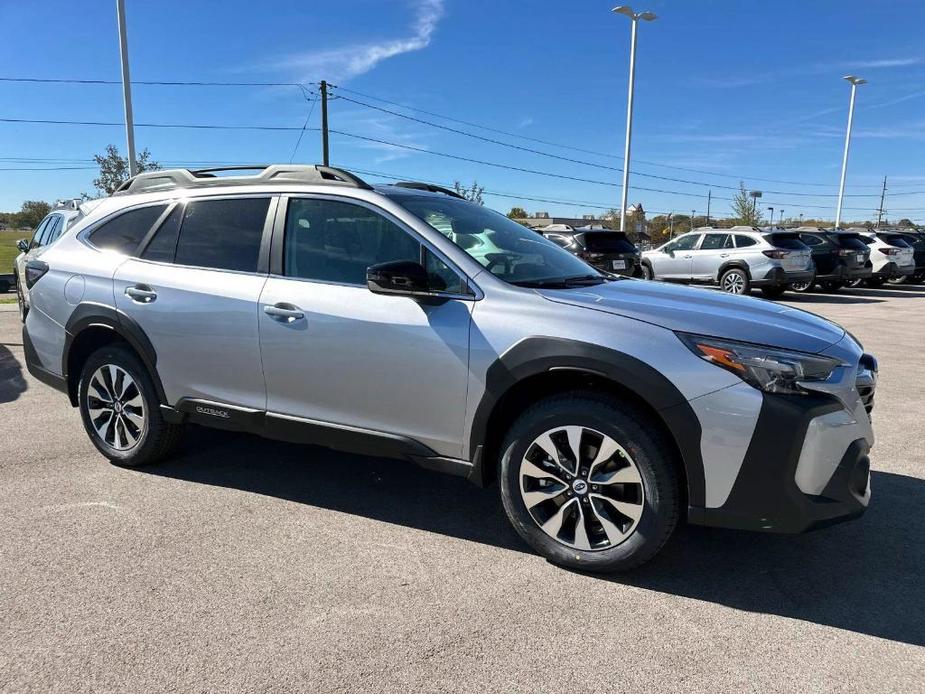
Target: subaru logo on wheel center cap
{"x": 580, "y": 486}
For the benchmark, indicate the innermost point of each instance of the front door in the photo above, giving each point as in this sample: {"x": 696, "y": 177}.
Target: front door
{"x": 338, "y": 355}
{"x": 710, "y": 255}
{"x": 676, "y": 259}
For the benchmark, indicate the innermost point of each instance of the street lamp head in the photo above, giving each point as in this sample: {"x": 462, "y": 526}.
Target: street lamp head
{"x": 628, "y": 11}
{"x": 854, "y": 80}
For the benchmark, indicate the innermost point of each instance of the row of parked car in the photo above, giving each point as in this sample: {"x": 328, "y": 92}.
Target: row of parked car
{"x": 743, "y": 258}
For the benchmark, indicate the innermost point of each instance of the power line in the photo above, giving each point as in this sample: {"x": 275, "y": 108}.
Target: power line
{"x": 205, "y": 126}
{"x": 161, "y": 83}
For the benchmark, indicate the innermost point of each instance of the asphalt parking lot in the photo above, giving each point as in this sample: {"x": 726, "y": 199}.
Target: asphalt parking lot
{"x": 249, "y": 565}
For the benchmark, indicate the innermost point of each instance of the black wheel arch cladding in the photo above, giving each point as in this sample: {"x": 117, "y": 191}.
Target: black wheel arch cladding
{"x": 88, "y": 315}
{"x": 539, "y": 355}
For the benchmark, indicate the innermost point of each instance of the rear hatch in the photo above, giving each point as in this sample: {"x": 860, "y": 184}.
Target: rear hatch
{"x": 917, "y": 241}
{"x": 794, "y": 255}
{"x": 906, "y": 254}
{"x": 609, "y": 250}
{"x": 852, "y": 249}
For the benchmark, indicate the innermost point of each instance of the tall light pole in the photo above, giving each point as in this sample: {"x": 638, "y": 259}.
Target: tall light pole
{"x": 772, "y": 216}
{"x": 635, "y": 16}
{"x": 780, "y": 217}
{"x": 126, "y": 89}
{"x": 855, "y": 81}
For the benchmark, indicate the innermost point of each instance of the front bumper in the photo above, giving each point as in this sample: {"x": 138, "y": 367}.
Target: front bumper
{"x": 778, "y": 277}
{"x": 803, "y": 468}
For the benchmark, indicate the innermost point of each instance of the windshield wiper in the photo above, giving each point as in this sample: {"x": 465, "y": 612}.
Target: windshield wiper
{"x": 563, "y": 282}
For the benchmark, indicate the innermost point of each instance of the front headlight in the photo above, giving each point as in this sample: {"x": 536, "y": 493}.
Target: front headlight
{"x": 766, "y": 368}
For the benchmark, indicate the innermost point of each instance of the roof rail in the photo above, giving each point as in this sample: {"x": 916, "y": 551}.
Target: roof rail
{"x": 272, "y": 173}
{"x": 429, "y": 187}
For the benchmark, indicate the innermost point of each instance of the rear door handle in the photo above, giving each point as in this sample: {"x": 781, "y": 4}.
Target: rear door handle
{"x": 723, "y": 255}
{"x": 141, "y": 293}
{"x": 285, "y": 313}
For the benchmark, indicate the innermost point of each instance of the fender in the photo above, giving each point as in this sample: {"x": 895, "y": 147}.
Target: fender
{"x": 537, "y": 355}
{"x": 738, "y": 264}
{"x": 89, "y": 314}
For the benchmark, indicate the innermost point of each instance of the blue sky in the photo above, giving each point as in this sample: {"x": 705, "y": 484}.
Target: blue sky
{"x": 726, "y": 90}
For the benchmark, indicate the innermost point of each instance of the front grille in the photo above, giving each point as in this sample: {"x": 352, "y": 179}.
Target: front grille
{"x": 866, "y": 381}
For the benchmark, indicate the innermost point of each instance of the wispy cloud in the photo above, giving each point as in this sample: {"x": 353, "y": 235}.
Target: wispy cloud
{"x": 525, "y": 122}
{"x": 357, "y": 59}
{"x": 378, "y": 127}
{"x": 882, "y": 62}
{"x": 732, "y": 82}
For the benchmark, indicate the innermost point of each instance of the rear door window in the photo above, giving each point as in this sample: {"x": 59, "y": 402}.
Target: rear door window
{"x": 163, "y": 245}
{"x": 714, "y": 241}
{"x": 222, "y": 234}
{"x": 125, "y": 232}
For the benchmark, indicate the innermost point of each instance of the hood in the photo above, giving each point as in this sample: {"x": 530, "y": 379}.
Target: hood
{"x": 705, "y": 312}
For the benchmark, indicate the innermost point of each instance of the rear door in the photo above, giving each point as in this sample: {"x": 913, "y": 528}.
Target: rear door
{"x": 193, "y": 290}
{"x": 712, "y": 252}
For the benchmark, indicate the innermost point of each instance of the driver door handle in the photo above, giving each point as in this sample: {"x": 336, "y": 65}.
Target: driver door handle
{"x": 141, "y": 293}
{"x": 285, "y": 313}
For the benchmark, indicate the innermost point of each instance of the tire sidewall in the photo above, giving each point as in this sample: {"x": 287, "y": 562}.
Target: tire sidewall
{"x": 653, "y": 525}
{"x": 745, "y": 282}
{"x": 122, "y": 358}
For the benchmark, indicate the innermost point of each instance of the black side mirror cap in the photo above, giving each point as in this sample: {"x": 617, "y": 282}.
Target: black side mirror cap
{"x": 23, "y": 245}
{"x": 399, "y": 277}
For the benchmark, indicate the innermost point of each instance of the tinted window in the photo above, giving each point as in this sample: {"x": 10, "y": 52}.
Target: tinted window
{"x": 851, "y": 241}
{"x": 608, "y": 242}
{"x": 744, "y": 241}
{"x": 222, "y": 234}
{"x": 895, "y": 240}
{"x": 685, "y": 243}
{"x": 713, "y": 241}
{"x": 125, "y": 232}
{"x": 559, "y": 239}
{"x": 810, "y": 240}
{"x": 442, "y": 278}
{"x": 334, "y": 241}
{"x": 789, "y": 241}
{"x": 163, "y": 245}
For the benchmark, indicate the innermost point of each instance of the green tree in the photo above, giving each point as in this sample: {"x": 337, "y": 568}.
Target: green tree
{"x": 517, "y": 213}
{"x": 472, "y": 193}
{"x": 745, "y": 207}
{"x": 31, "y": 213}
{"x": 114, "y": 168}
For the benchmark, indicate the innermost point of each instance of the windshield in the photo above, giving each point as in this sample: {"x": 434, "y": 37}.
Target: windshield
{"x": 506, "y": 249}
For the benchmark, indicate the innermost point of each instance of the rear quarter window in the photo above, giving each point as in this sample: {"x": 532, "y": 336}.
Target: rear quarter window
{"x": 608, "y": 242}
{"x": 790, "y": 242}
{"x": 125, "y": 232}
{"x": 743, "y": 241}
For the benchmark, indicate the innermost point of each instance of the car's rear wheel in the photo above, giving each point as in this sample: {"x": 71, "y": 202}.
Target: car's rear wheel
{"x": 735, "y": 281}
{"x": 855, "y": 283}
{"x": 903, "y": 279}
{"x": 120, "y": 409}
{"x": 589, "y": 483}
{"x": 647, "y": 273}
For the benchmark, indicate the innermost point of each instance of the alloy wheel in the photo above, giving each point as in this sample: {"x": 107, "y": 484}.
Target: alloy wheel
{"x": 116, "y": 407}
{"x": 733, "y": 283}
{"x": 581, "y": 488}
{"x": 801, "y": 286}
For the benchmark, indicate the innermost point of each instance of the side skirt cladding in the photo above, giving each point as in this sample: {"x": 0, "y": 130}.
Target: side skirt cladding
{"x": 544, "y": 355}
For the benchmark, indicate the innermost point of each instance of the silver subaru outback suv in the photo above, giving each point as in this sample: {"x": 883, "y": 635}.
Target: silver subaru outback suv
{"x": 303, "y": 304}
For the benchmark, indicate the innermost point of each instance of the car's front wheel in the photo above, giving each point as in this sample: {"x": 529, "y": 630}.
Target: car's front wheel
{"x": 120, "y": 409}
{"x": 802, "y": 287}
{"x": 589, "y": 482}
{"x": 647, "y": 273}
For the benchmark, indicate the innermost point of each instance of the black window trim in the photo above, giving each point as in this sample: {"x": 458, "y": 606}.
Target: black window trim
{"x": 277, "y": 245}
{"x": 263, "y": 257}
{"x": 40, "y": 229}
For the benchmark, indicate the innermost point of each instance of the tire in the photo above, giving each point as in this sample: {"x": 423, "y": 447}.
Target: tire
{"x": 647, "y": 273}
{"x": 139, "y": 435}
{"x": 735, "y": 281}
{"x": 903, "y": 279}
{"x": 802, "y": 287}
{"x": 832, "y": 287}
{"x": 21, "y": 302}
{"x": 773, "y": 292}
{"x": 640, "y": 456}
{"x": 854, "y": 284}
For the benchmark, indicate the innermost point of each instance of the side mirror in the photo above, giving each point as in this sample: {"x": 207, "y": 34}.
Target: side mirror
{"x": 399, "y": 277}
{"x": 23, "y": 245}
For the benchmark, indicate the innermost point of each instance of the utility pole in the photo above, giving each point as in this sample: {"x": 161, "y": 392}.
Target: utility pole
{"x": 709, "y": 195}
{"x": 126, "y": 89}
{"x": 692, "y": 219}
{"x": 324, "y": 123}
{"x": 882, "y": 196}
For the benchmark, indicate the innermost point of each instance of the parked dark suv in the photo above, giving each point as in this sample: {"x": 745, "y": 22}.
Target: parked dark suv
{"x": 916, "y": 239}
{"x": 605, "y": 249}
{"x": 840, "y": 257}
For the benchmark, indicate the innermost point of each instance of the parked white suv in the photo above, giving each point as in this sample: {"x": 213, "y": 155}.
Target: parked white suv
{"x": 736, "y": 259}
